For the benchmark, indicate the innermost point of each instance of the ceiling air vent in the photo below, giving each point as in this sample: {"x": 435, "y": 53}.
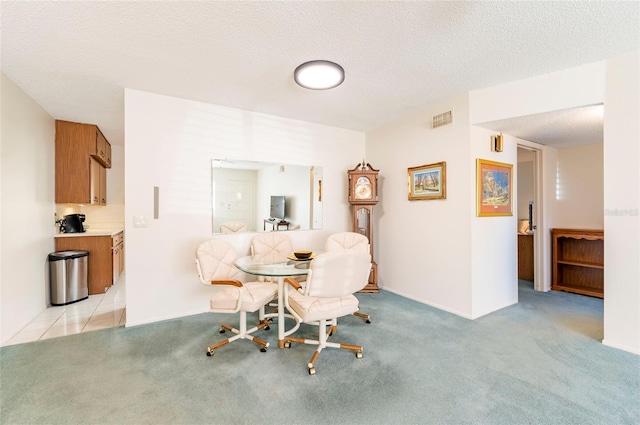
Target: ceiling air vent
{"x": 442, "y": 119}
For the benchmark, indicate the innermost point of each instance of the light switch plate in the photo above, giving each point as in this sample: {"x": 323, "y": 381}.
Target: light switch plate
{"x": 139, "y": 221}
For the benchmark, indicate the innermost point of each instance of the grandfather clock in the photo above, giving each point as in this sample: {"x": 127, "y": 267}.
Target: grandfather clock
{"x": 363, "y": 195}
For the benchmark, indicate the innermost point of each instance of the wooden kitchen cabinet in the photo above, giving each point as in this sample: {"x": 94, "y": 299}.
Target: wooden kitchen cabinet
{"x": 102, "y": 150}
{"x": 106, "y": 258}
{"x": 578, "y": 261}
{"x": 525, "y": 257}
{"x": 117, "y": 254}
{"x": 98, "y": 183}
{"x": 82, "y": 153}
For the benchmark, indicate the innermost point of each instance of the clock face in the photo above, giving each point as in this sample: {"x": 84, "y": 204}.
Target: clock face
{"x": 363, "y": 188}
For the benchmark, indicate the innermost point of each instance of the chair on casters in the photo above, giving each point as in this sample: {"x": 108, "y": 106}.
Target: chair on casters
{"x": 351, "y": 241}
{"x": 214, "y": 261}
{"x": 328, "y": 294}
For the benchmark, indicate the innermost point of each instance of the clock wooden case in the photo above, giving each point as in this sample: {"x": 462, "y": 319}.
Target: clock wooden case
{"x": 363, "y": 196}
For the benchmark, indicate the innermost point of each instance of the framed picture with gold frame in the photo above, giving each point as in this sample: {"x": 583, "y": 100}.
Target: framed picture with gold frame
{"x": 428, "y": 181}
{"x": 494, "y": 188}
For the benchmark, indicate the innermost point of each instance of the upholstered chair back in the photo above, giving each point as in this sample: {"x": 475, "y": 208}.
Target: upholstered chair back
{"x": 215, "y": 260}
{"x": 233, "y": 227}
{"x": 338, "y": 274}
{"x": 271, "y": 247}
{"x": 347, "y": 240}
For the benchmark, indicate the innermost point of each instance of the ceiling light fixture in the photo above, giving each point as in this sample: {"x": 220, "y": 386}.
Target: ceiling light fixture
{"x": 319, "y": 75}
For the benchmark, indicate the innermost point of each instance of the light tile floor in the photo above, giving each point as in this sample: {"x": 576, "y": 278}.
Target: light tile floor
{"x": 96, "y": 312}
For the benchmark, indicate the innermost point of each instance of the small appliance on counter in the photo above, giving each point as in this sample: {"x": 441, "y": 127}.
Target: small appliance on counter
{"x": 72, "y": 223}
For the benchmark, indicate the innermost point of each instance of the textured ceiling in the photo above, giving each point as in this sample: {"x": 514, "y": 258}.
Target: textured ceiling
{"x": 561, "y": 129}
{"x": 75, "y": 58}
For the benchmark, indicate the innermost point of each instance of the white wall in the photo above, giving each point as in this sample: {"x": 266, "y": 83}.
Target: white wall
{"x": 622, "y": 204}
{"x": 437, "y": 251}
{"x": 170, "y": 143}
{"x": 27, "y": 221}
{"x": 423, "y": 247}
{"x": 494, "y": 241}
{"x": 570, "y": 88}
{"x": 580, "y": 188}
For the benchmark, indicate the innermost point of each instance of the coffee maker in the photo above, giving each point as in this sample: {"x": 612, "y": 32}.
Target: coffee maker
{"x": 72, "y": 223}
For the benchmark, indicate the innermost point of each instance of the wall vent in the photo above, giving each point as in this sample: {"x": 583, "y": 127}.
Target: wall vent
{"x": 442, "y": 119}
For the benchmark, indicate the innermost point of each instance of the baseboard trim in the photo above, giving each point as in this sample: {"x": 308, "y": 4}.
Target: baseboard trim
{"x": 129, "y": 324}
{"x": 434, "y": 305}
{"x": 621, "y": 347}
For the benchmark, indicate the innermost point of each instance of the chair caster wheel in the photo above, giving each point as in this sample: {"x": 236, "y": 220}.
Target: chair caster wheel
{"x": 287, "y": 344}
{"x": 266, "y": 328}
{"x": 367, "y": 321}
{"x": 209, "y": 353}
{"x": 263, "y": 350}
{"x": 312, "y": 371}
{"x": 359, "y": 354}
{"x": 222, "y": 331}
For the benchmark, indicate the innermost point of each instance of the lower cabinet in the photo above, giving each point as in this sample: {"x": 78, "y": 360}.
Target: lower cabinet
{"x": 106, "y": 258}
{"x": 525, "y": 257}
{"x": 117, "y": 255}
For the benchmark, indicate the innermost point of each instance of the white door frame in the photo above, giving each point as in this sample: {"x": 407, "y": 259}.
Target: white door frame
{"x": 539, "y": 253}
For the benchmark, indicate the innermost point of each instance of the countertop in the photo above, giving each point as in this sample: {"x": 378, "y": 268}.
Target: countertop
{"x": 90, "y": 232}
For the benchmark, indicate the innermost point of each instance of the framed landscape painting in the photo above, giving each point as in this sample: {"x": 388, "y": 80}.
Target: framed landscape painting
{"x": 494, "y": 191}
{"x": 428, "y": 181}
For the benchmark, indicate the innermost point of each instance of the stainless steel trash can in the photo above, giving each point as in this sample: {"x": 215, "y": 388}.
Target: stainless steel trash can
{"x": 68, "y": 276}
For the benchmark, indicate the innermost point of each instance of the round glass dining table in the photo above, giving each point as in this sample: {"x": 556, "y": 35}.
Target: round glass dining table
{"x": 290, "y": 268}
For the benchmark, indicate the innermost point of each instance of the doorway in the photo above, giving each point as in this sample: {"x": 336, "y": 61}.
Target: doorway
{"x": 529, "y": 213}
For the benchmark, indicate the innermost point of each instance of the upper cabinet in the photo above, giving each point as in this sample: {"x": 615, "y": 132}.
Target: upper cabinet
{"x": 98, "y": 182}
{"x": 102, "y": 150}
{"x": 82, "y": 156}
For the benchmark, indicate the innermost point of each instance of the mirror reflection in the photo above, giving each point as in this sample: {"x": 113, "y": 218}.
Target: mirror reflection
{"x": 250, "y": 196}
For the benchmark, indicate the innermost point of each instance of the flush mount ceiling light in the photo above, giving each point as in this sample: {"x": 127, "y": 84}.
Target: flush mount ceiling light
{"x": 319, "y": 75}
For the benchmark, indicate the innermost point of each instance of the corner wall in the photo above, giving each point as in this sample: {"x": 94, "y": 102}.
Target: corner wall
{"x": 580, "y": 191}
{"x": 622, "y": 204}
{"x": 27, "y": 194}
{"x": 170, "y": 143}
{"x": 494, "y": 240}
{"x": 423, "y": 247}
{"x": 614, "y": 83}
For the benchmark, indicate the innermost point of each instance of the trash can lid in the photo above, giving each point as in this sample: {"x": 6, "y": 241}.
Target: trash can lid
{"x": 67, "y": 255}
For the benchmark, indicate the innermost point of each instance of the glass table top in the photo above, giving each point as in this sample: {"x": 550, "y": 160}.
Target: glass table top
{"x": 287, "y": 268}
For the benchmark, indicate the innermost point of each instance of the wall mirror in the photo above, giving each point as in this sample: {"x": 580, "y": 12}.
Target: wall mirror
{"x": 251, "y": 196}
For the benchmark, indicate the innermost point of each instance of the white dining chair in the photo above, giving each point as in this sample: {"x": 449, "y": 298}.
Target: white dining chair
{"x": 332, "y": 280}
{"x": 215, "y": 265}
{"x": 352, "y": 241}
